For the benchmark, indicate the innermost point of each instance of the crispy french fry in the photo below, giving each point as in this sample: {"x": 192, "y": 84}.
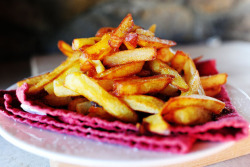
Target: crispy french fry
{"x": 65, "y": 48}
{"x": 61, "y": 91}
{"x": 55, "y": 101}
{"x": 121, "y": 71}
{"x": 87, "y": 87}
{"x": 32, "y": 80}
{"x": 143, "y": 85}
{"x": 121, "y": 31}
{"x": 144, "y": 103}
{"x": 179, "y": 60}
{"x": 100, "y": 112}
{"x": 128, "y": 56}
{"x": 191, "y": 115}
{"x": 54, "y": 74}
{"x": 98, "y": 50}
{"x": 152, "y": 28}
{"x": 211, "y": 81}
{"x": 148, "y": 33}
{"x": 147, "y": 41}
{"x": 83, "y": 107}
{"x": 72, "y": 105}
{"x": 170, "y": 90}
{"x": 156, "y": 124}
{"x": 131, "y": 40}
{"x": 212, "y": 91}
{"x": 165, "y": 54}
{"x": 104, "y": 30}
{"x": 81, "y": 42}
{"x": 160, "y": 67}
{"x": 106, "y": 84}
{"x": 208, "y": 103}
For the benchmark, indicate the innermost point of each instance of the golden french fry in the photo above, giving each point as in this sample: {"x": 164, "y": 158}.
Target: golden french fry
{"x": 55, "y": 101}
{"x": 170, "y": 90}
{"x": 121, "y": 31}
{"x": 83, "y": 107}
{"x": 61, "y": 91}
{"x": 72, "y": 105}
{"x": 155, "y": 42}
{"x": 144, "y": 103}
{"x": 104, "y": 30}
{"x": 145, "y": 32}
{"x": 87, "y": 87}
{"x": 65, "y": 48}
{"x": 211, "y": 81}
{"x": 32, "y": 80}
{"x": 157, "y": 66}
{"x": 106, "y": 84}
{"x": 194, "y": 85}
{"x": 213, "y": 91}
{"x": 131, "y": 40}
{"x": 98, "y": 50}
{"x": 80, "y": 42}
{"x": 208, "y": 103}
{"x": 190, "y": 115}
{"x": 121, "y": 71}
{"x": 128, "y": 56}
{"x": 156, "y": 124}
{"x": 55, "y": 73}
{"x": 165, "y": 54}
{"x": 152, "y": 28}
{"x": 179, "y": 60}
{"x": 100, "y": 112}
{"x": 135, "y": 86}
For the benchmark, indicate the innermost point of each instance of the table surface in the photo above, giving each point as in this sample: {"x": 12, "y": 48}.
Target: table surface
{"x": 232, "y": 58}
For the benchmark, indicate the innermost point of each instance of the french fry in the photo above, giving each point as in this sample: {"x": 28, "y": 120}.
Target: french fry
{"x": 143, "y": 85}
{"x": 160, "y": 67}
{"x": 55, "y": 101}
{"x": 72, "y": 105}
{"x": 212, "y": 91}
{"x": 148, "y": 33}
{"x": 211, "y": 81}
{"x": 61, "y": 91}
{"x": 121, "y": 31}
{"x": 152, "y": 28}
{"x": 144, "y": 103}
{"x": 106, "y": 84}
{"x": 131, "y": 40}
{"x": 156, "y": 124}
{"x": 179, "y": 60}
{"x": 81, "y": 42}
{"x": 32, "y": 80}
{"x": 165, "y": 54}
{"x": 121, "y": 71}
{"x": 100, "y": 112}
{"x": 155, "y": 42}
{"x": 208, "y": 103}
{"x": 191, "y": 115}
{"x": 98, "y": 50}
{"x": 54, "y": 74}
{"x": 128, "y": 56}
{"x": 87, "y": 87}
{"x": 170, "y": 90}
{"x": 65, "y": 48}
{"x": 83, "y": 107}
{"x": 104, "y": 30}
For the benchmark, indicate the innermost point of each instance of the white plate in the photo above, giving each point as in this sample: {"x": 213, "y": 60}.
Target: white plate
{"x": 76, "y": 150}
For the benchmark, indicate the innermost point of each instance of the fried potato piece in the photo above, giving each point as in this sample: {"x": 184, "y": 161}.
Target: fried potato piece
{"x": 55, "y": 73}
{"x": 104, "y": 30}
{"x": 72, "y": 105}
{"x": 100, "y": 112}
{"x": 61, "y": 91}
{"x": 208, "y": 103}
{"x": 98, "y": 50}
{"x": 152, "y": 28}
{"x": 156, "y": 124}
{"x": 148, "y": 33}
{"x": 212, "y": 91}
{"x": 32, "y": 80}
{"x": 65, "y": 48}
{"x": 121, "y": 31}
{"x": 160, "y": 67}
{"x": 144, "y": 103}
{"x": 81, "y": 42}
{"x": 170, "y": 90}
{"x": 179, "y": 60}
{"x": 121, "y": 71}
{"x": 87, "y": 87}
{"x": 83, "y": 107}
{"x": 147, "y": 41}
{"x": 55, "y": 101}
{"x": 128, "y": 56}
{"x": 191, "y": 115}
{"x": 165, "y": 54}
{"x": 143, "y": 85}
{"x": 106, "y": 84}
{"x": 211, "y": 81}
{"x": 131, "y": 40}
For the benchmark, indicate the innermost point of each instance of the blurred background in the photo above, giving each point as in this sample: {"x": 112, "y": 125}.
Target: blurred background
{"x": 33, "y": 27}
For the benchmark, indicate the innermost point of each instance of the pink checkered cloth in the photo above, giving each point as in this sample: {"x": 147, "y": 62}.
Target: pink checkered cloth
{"x": 227, "y": 126}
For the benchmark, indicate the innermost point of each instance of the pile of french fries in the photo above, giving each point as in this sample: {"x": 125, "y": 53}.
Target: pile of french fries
{"x": 126, "y": 70}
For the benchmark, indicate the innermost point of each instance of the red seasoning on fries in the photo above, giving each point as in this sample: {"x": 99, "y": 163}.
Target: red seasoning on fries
{"x": 126, "y": 86}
